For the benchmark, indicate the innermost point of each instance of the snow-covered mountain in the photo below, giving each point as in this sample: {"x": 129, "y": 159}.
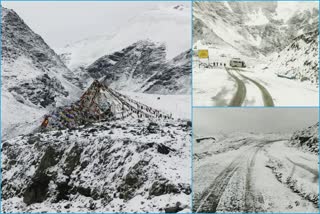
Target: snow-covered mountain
{"x": 173, "y": 79}
{"x": 142, "y": 66}
{"x": 162, "y": 25}
{"x": 307, "y": 138}
{"x": 253, "y": 28}
{"x": 34, "y": 77}
{"x": 130, "y": 66}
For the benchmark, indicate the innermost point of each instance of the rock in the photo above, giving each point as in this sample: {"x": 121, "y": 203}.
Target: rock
{"x": 133, "y": 180}
{"x": 92, "y": 130}
{"x": 33, "y": 139}
{"x": 163, "y": 187}
{"x": 72, "y": 160}
{"x": 36, "y": 191}
{"x": 86, "y": 191}
{"x": 84, "y": 164}
{"x": 174, "y": 209}
{"x": 163, "y": 149}
{"x": 153, "y": 128}
{"x": 185, "y": 188}
{"x": 63, "y": 188}
{"x": 67, "y": 206}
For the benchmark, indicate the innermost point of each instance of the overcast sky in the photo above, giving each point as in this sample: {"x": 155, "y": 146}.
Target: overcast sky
{"x": 60, "y": 23}
{"x": 211, "y": 121}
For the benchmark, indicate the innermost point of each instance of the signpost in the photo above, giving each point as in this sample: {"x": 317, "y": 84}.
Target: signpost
{"x": 203, "y": 54}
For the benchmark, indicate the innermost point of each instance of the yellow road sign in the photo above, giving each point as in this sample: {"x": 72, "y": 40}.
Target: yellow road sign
{"x": 203, "y": 54}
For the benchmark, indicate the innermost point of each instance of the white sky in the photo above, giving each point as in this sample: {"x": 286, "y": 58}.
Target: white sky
{"x": 60, "y": 23}
{"x": 211, "y": 121}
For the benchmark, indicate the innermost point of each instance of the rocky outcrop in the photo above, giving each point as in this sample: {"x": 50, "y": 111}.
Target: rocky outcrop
{"x": 306, "y": 139}
{"x": 96, "y": 169}
{"x": 299, "y": 60}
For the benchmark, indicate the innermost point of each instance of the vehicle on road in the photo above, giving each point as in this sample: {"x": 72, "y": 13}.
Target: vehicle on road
{"x": 237, "y": 62}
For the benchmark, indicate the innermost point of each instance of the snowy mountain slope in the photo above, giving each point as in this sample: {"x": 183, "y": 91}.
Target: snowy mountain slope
{"x": 306, "y": 138}
{"x": 174, "y": 79}
{"x": 129, "y": 67}
{"x": 162, "y": 25}
{"x": 130, "y": 165}
{"x": 142, "y": 66}
{"x": 253, "y": 28}
{"x": 299, "y": 60}
{"x": 32, "y": 73}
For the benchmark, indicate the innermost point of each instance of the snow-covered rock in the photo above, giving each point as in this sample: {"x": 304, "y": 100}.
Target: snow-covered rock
{"x": 34, "y": 77}
{"x": 306, "y": 139}
{"x": 131, "y": 165}
{"x": 299, "y": 60}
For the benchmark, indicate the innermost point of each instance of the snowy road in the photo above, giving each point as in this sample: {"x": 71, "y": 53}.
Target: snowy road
{"x": 224, "y": 86}
{"x": 251, "y": 182}
{"x": 240, "y": 95}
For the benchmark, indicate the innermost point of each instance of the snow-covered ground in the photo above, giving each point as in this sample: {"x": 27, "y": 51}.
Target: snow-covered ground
{"x": 254, "y": 173}
{"x": 212, "y": 87}
{"x": 131, "y": 165}
{"x": 215, "y": 87}
{"x": 285, "y": 92}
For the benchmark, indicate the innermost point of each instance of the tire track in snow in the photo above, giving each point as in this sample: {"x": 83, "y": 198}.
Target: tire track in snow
{"x": 252, "y": 197}
{"x": 210, "y": 199}
{"x": 241, "y": 92}
{"x": 267, "y": 98}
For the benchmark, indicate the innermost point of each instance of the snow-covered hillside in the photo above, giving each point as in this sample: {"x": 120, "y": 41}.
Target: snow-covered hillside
{"x": 131, "y": 165}
{"x": 104, "y": 152}
{"x": 306, "y": 139}
{"x": 253, "y": 28}
{"x": 299, "y": 60}
{"x": 163, "y": 25}
{"x": 143, "y": 67}
{"x": 34, "y": 78}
